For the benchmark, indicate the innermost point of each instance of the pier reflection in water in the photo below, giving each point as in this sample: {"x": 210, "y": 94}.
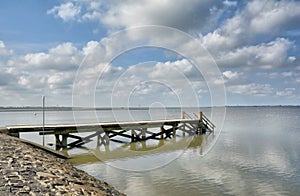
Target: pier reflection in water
{"x": 135, "y": 150}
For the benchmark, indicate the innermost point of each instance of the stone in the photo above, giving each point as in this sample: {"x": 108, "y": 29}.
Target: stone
{"x": 26, "y": 170}
{"x": 47, "y": 175}
{"x": 27, "y": 188}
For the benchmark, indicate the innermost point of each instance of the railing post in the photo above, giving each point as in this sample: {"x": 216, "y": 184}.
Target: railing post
{"x": 200, "y": 123}
{"x": 183, "y": 117}
{"x": 200, "y": 116}
{"x": 57, "y": 142}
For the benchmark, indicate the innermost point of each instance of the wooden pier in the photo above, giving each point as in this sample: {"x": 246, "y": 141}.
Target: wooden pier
{"x": 121, "y": 132}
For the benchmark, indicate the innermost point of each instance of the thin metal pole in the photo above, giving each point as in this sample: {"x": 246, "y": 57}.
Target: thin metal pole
{"x": 43, "y": 120}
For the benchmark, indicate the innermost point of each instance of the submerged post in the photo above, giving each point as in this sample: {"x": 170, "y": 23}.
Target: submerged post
{"x": 43, "y": 120}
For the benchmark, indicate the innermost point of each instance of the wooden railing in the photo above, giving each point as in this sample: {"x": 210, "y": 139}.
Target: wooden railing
{"x": 202, "y": 118}
{"x": 208, "y": 123}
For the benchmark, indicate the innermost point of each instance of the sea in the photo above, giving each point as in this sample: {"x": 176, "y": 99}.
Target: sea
{"x": 253, "y": 151}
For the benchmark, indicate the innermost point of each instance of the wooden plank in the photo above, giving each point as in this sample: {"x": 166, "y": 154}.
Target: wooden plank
{"x": 72, "y": 128}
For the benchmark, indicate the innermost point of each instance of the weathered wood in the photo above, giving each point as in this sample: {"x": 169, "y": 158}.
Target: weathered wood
{"x": 136, "y": 131}
{"x": 74, "y": 128}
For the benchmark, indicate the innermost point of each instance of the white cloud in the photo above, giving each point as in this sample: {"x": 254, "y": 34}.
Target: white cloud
{"x": 272, "y": 16}
{"x": 266, "y": 55}
{"x": 66, "y": 11}
{"x": 65, "y": 56}
{"x": 292, "y": 58}
{"x": 181, "y": 14}
{"x": 230, "y": 3}
{"x": 277, "y": 75}
{"x": 3, "y": 50}
{"x": 172, "y": 70}
{"x": 232, "y": 75}
{"x": 251, "y": 89}
{"x": 240, "y": 43}
{"x": 286, "y": 92}
{"x": 258, "y": 17}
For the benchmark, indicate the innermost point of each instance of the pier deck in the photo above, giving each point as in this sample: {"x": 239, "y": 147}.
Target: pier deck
{"x": 108, "y": 131}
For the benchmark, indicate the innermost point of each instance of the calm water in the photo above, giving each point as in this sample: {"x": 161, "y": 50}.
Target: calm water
{"x": 257, "y": 153}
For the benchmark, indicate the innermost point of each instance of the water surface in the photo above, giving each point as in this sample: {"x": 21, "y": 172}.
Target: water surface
{"x": 257, "y": 153}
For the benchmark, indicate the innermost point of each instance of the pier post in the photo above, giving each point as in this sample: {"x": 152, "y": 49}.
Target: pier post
{"x": 98, "y": 140}
{"x": 174, "y": 130}
{"x": 144, "y": 133}
{"x": 57, "y": 142}
{"x": 132, "y": 135}
{"x": 162, "y": 132}
{"x": 64, "y": 140}
{"x": 63, "y": 143}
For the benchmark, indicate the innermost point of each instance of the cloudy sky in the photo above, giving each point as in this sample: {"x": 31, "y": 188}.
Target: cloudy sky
{"x": 149, "y": 52}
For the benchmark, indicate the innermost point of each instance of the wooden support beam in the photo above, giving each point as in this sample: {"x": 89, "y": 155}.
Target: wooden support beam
{"x": 116, "y": 133}
{"x": 84, "y": 140}
{"x": 75, "y": 136}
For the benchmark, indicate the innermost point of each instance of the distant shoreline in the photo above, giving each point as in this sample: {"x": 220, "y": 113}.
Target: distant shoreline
{"x": 54, "y": 108}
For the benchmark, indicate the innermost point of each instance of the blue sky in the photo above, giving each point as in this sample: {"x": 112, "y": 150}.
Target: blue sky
{"x": 80, "y": 52}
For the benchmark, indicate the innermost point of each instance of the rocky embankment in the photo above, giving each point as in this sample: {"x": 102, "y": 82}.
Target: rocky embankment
{"x": 26, "y": 170}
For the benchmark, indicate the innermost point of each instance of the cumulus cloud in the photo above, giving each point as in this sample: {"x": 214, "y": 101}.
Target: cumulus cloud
{"x": 265, "y": 55}
{"x": 231, "y": 75}
{"x": 272, "y": 16}
{"x": 258, "y": 17}
{"x": 230, "y": 44}
{"x": 4, "y": 51}
{"x": 181, "y": 14}
{"x": 66, "y": 11}
{"x": 292, "y": 58}
{"x": 172, "y": 70}
{"x": 238, "y": 44}
{"x": 63, "y": 57}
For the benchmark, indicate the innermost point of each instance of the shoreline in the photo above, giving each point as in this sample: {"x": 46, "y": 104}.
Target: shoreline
{"x": 27, "y": 170}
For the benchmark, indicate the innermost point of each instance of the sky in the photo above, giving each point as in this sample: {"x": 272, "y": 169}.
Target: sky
{"x": 149, "y": 53}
